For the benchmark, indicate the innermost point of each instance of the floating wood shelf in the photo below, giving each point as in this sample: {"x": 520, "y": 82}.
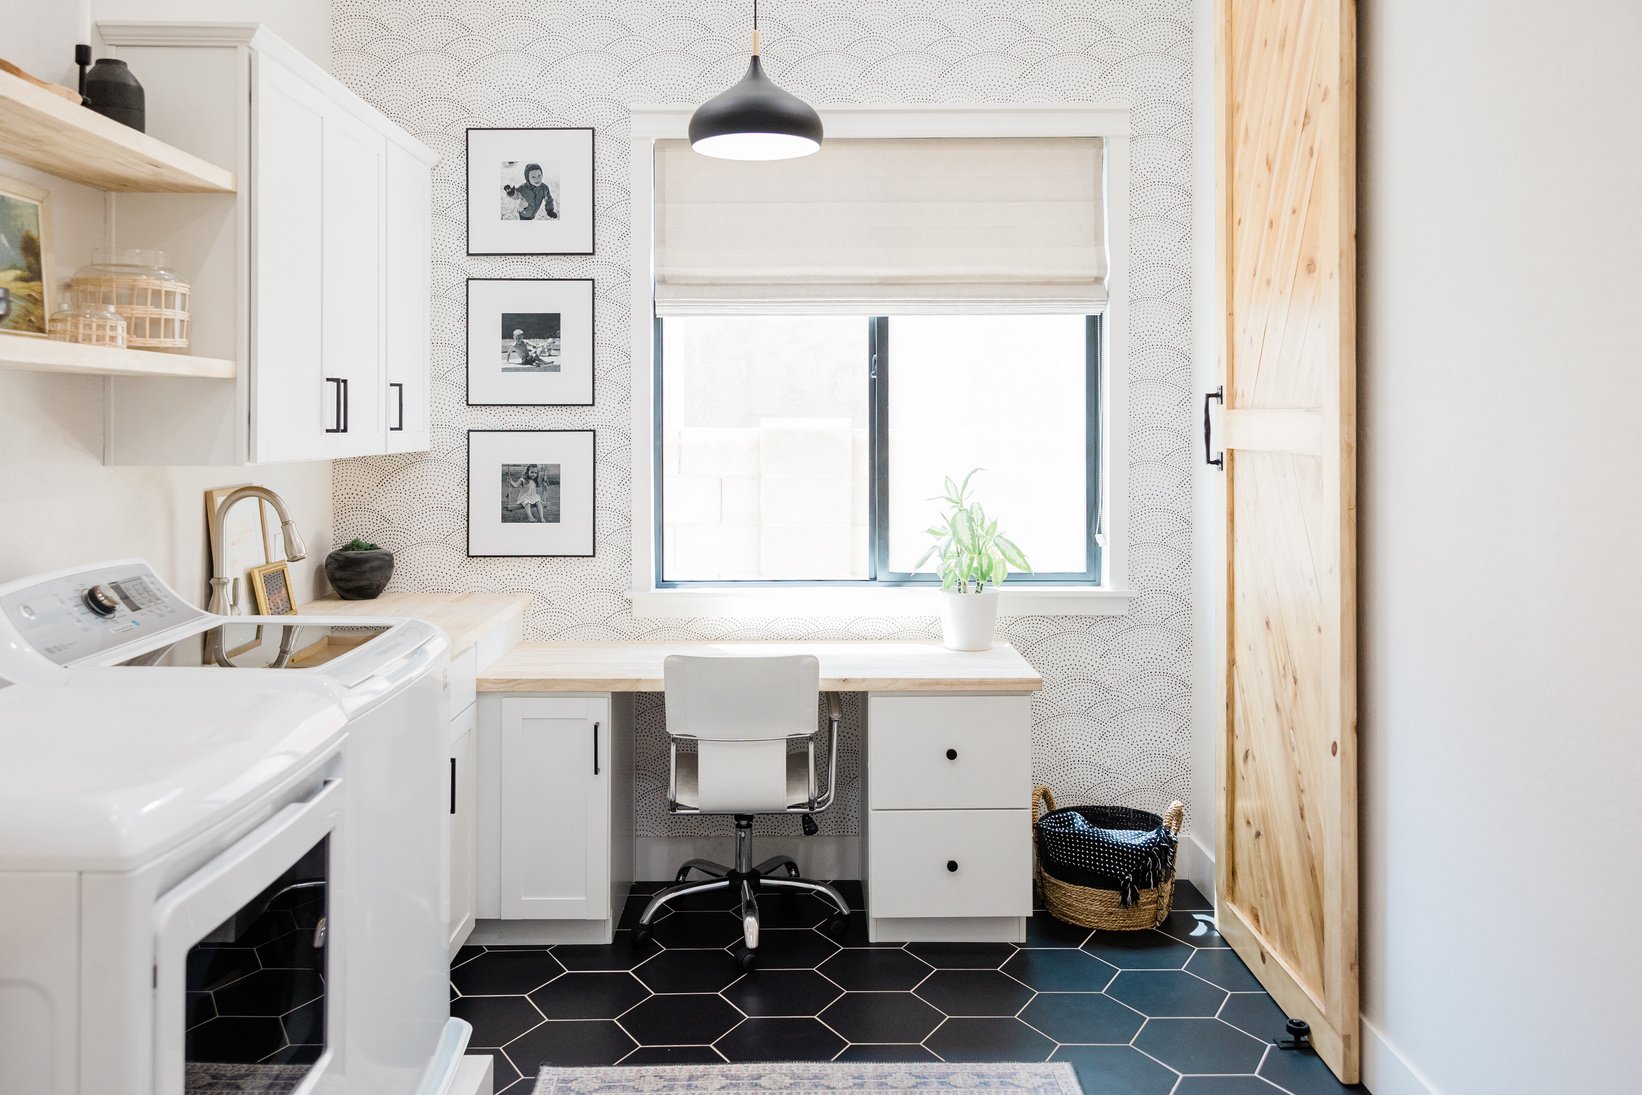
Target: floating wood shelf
{"x": 46, "y": 131}
{"x": 42, "y": 355}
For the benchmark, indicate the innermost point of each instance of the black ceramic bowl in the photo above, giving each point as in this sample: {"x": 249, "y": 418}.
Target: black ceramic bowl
{"x": 359, "y": 575}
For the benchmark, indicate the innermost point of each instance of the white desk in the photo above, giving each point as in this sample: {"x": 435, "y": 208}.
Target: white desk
{"x": 948, "y": 769}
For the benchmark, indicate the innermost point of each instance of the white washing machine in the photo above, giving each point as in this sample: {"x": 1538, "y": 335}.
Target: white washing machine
{"x": 206, "y": 807}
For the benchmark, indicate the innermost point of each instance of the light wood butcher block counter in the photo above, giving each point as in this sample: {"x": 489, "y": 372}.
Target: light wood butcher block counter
{"x": 865, "y": 666}
{"x": 464, "y": 617}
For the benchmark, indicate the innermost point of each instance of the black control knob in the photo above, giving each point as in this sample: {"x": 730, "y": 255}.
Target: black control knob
{"x": 101, "y": 602}
{"x": 951, "y": 754}
{"x": 952, "y": 864}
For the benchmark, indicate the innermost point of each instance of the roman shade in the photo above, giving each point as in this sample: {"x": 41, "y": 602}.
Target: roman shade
{"x": 884, "y": 227}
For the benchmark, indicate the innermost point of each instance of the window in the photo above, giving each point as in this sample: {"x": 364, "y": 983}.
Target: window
{"x": 806, "y": 448}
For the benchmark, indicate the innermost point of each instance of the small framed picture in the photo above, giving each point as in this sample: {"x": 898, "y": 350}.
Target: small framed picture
{"x": 530, "y": 342}
{"x": 530, "y": 492}
{"x": 271, "y": 588}
{"x": 25, "y": 258}
{"x": 530, "y": 191}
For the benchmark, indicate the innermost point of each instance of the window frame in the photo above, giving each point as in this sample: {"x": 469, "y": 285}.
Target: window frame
{"x": 875, "y": 373}
{"x": 1111, "y": 595}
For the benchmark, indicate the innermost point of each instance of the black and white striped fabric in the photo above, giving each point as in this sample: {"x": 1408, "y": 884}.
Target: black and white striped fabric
{"x": 1106, "y": 848}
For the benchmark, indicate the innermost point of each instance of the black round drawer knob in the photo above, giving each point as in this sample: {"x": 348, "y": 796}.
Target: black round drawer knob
{"x": 952, "y": 865}
{"x": 951, "y": 754}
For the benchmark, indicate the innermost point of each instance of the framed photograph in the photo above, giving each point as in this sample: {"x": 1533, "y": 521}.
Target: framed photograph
{"x": 530, "y": 342}
{"x": 25, "y": 258}
{"x": 530, "y": 493}
{"x": 271, "y": 586}
{"x": 530, "y": 191}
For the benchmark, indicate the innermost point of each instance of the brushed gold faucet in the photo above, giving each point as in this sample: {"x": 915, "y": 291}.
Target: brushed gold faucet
{"x": 221, "y": 602}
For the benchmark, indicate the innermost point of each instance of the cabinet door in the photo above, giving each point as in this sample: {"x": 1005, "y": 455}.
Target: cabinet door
{"x": 352, "y": 261}
{"x": 462, "y": 830}
{"x": 409, "y": 231}
{"x": 555, "y": 817}
{"x": 287, "y": 236}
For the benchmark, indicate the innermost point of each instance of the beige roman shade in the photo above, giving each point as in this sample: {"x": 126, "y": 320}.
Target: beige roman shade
{"x": 884, "y": 226}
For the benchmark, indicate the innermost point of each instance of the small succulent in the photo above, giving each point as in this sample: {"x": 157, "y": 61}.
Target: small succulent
{"x": 356, "y": 544}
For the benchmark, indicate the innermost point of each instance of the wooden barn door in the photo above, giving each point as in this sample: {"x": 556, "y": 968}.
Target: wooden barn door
{"x": 1286, "y": 874}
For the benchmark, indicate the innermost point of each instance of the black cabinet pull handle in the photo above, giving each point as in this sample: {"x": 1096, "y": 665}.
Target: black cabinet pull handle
{"x": 951, "y": 754}
{"x": 340, "y": 419}
{"x": 453, "y": 785}
{"x": 400, "y": 388}
{"x": 1208, "y": 447}
{"x": 595, "y": 747}
{"x": 952, "y": 865}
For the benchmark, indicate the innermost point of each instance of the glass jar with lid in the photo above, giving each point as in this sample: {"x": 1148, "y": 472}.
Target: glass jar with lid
{"x": 85, "y": 321}
{"x": 135, "y": 282}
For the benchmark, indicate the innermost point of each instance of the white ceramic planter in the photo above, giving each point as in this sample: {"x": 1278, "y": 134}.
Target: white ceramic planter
{"x": 967, "y": 619}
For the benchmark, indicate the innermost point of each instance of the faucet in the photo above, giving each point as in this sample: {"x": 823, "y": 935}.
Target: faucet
{"x": 294, "y": 547}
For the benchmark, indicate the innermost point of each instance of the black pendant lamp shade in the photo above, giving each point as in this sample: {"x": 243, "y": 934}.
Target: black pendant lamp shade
{"x": 755, "y": 119}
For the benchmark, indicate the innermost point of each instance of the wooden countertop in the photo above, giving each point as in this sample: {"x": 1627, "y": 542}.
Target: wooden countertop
{"x": 463, "y": 616}
{"x": 860, "y": 666}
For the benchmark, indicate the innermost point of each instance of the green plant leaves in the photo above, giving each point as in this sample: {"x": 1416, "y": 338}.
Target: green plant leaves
{"x": 969, "y": 548}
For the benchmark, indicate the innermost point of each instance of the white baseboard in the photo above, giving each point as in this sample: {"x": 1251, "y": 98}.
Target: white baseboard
{"x": 1195, "y": 863}
{"x": 1386, "y": 1071}
{"x": 658, "y": 858}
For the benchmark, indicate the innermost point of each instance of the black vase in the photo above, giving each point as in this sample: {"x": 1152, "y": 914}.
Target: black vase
{"x": 114, "y": 93}
{"x": 359, "y": 575}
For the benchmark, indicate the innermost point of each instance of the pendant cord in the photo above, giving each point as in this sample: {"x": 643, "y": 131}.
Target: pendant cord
{"x": 756, "y": 47}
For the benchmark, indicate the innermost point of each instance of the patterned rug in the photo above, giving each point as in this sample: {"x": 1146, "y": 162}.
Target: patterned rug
{"x": 810, "y": 1079}
{"x": 225, "y": 1079}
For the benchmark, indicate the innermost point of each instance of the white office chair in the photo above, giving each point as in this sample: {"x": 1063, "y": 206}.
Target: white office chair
{"x": 730, "y": 723}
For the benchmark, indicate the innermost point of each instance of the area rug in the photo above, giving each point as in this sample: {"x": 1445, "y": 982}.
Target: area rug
{"x": 226, "y": 1079}
{"x": 794, "y": 1078}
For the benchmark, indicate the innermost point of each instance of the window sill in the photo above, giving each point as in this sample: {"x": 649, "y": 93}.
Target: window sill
{"x": 894, "y": 601}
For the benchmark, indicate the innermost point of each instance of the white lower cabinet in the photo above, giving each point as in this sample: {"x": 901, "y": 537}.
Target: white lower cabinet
{"x": 555, "y": 809}
{"x": 461, "y": 827}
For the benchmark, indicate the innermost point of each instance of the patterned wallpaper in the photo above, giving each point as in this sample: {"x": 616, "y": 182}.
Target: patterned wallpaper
{"x": 1112, "y": 722}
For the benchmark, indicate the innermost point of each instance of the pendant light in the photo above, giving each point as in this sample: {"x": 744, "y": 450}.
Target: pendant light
{"x": 755, "y": 120}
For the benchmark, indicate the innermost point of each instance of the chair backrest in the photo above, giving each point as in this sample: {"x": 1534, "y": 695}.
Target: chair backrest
{"x": 741, "y": 711}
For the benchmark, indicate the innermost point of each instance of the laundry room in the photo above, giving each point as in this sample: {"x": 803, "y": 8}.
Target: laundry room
{"x": 948, "y": 545}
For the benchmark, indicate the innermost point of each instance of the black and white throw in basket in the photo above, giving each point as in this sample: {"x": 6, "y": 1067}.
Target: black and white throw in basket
{"x": 1107, "y": 867}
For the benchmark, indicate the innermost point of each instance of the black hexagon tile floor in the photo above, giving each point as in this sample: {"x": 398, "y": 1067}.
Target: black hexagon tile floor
{"x": 1163, "y": 1012}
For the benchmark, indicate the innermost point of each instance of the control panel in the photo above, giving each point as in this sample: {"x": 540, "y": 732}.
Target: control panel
{"x": 71, "y": 617}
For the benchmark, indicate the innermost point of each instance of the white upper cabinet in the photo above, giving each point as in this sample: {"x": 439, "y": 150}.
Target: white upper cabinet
{"x": 315, "y": 277}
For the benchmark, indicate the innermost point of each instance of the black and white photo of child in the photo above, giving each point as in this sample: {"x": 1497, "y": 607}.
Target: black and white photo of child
{"x": 530, "y": 342}
{"x": 530, "y": 191}
{"x": 530, "y": 493}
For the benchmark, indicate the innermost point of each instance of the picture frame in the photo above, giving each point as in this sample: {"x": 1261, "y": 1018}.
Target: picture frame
{"x": 531, "y": 493}
{"x": 25, "y": 257}
{"x": 514, "y": 210}
{"x": 272, "y": 589}
{"x": 530, "y": 342}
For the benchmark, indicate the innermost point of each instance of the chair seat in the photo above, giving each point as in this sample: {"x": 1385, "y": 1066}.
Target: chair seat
{"x": 798, "y": 782}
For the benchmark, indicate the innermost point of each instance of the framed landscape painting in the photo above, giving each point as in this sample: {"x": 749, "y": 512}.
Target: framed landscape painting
{"x": 530, "y": 342}
{"x": 24, "y": 257}
{"x": 530, "y": 493}
{"x": 530, "y": 191}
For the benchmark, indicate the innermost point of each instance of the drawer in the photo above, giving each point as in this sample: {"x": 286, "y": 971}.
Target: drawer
{"x": 461, "y": 680}
{"x": 910, "y": 854}
{"x": 949, "y": 752}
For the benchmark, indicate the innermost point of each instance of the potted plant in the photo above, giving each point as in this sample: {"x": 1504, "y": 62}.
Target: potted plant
{"x": 973, "y": 561}
{"x": 359, "y": 571}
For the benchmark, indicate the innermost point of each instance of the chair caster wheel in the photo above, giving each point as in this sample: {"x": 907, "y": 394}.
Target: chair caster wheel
{"x": 837, "y": 925}
{"x": 746, "y": 960}
{"x": 642, "y": 934}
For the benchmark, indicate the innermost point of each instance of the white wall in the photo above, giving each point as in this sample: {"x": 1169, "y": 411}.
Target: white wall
{"x": 58, "y": 505}
{"x": 1501, "y": 522}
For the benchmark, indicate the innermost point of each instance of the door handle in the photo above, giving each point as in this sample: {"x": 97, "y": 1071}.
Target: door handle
{"x": 401, "y": 393}
{"x": 595, "y": 747}
{"x": 340, "y": 418}
{"x": 1208, "y": 427}
{"x": 453, "y": 785}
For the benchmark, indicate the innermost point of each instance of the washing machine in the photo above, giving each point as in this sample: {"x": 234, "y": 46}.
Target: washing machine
{"x": 256, "y": 898}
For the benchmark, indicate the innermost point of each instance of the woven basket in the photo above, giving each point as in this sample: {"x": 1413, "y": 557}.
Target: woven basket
{"x": 155, "y": 308}
{"x": 1089, "y": 907}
